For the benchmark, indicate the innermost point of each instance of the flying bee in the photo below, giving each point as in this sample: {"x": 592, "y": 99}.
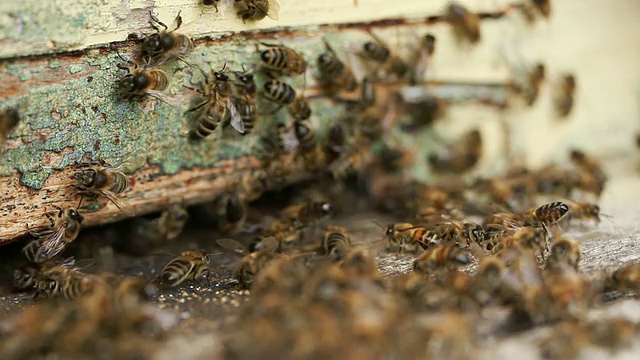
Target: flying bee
{"x": 441, "y": 256}
{"x": 283, "y": 61}
{"x": 335, "y": 75}
{"x": 465, "y": 23}
{"x": 378, "y": 52}
{"x": 189, "y": 265}
{"x": 251, "y": 263}
{"x": 219, "y": 107}
{"x": 565, "y": 95}
{"x": 457, "y": 158}
{"x": 336, "y": 242}
{"x": 163, "y": 45}
{"x": 306, "y": 213}
{"x": 255, "y": 10}
{"x": 63, "y": 231}
{"x": 100, "y": 178}
{"x": 9, "y": 119}
{"x": 246, "y": 100}
{"x": 546, "y": 215}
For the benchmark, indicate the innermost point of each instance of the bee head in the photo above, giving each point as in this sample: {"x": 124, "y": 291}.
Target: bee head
{"x": 74, "y": 214}
{"x": 369, "y": 46}
{"x": 220, "y": 76}
{"x": 87, "y": 177}
{"x": 134, "y": 82}
{"x": 324, "y": 59}
{"x": 153, "y": 43}
{"x": 23, "y": 278}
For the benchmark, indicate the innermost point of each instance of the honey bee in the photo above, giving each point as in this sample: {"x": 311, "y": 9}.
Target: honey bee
{"x": 378, "y": 52}
{"x": 421, "y": 59}
{"x": 335, "y": 75}
{"x": 409, "y": 238}
{"x": 163, "y": 45}
{"x": 307, "y": 144}
{"x": 63, "y": 231}
{"x": 299, "y": 109}
{"x": 279, "y": 92}
{"x": 459, "y": 158}
{"x": 144, "y": 235}
{"x": 218, "y": 106}
{"x": 565, "y": 95}
{"x": 466, "y": 23}
{"x": 567, "y": 340}
{"x": 26, "y": 277}
{"x": 626, "y": 278}
{"x": 523, "y": 238}
{"x": 441, "y": 256}
{"x": 9, "y": 119}
{"x": 336, "y": 242}
{"x": 245, "y": 102}
{"x": 144, "y": 80}
{"x": 458, "y": 231}
{"x": 564, "y": 252}
{"x": 189, "y": 265}
{"x": 583, "y": 210}
{"x": 283, "y": 61}
{"x": 306, "y": 213}
{"x": 546, "y": 215}
{"x": 255, "y": 10}
{"x": 100, "y": 178}
{"x": 251, "y": 263}
{"x": 64, "y": 281}
{"x": 235, "y": 214}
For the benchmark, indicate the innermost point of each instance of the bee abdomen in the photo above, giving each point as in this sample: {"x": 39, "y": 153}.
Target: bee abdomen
{"x": 279, "y": 92}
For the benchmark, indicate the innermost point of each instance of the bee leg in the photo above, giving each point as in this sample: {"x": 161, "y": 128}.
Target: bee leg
{"x": 198, "y": 107}
{"x": 154, "y": 20}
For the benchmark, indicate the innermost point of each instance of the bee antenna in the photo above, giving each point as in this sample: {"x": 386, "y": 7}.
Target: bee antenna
{"x": 223, "y": 67}
{"x": 380, "y": 225}
{"x": 80, "y": 203}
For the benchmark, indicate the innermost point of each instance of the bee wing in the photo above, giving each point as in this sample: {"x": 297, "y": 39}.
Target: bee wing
{"x": 273, "y": 9}
{"x": 124, "y": 206}
{"x": 231, "y": 244}
{"x": 132, "y": 164}
{"x": 51, "y": 246}
{"x": 236, "y": 119}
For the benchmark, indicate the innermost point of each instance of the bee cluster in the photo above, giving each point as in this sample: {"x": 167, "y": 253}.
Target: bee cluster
{"x": 477, "y": 247}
